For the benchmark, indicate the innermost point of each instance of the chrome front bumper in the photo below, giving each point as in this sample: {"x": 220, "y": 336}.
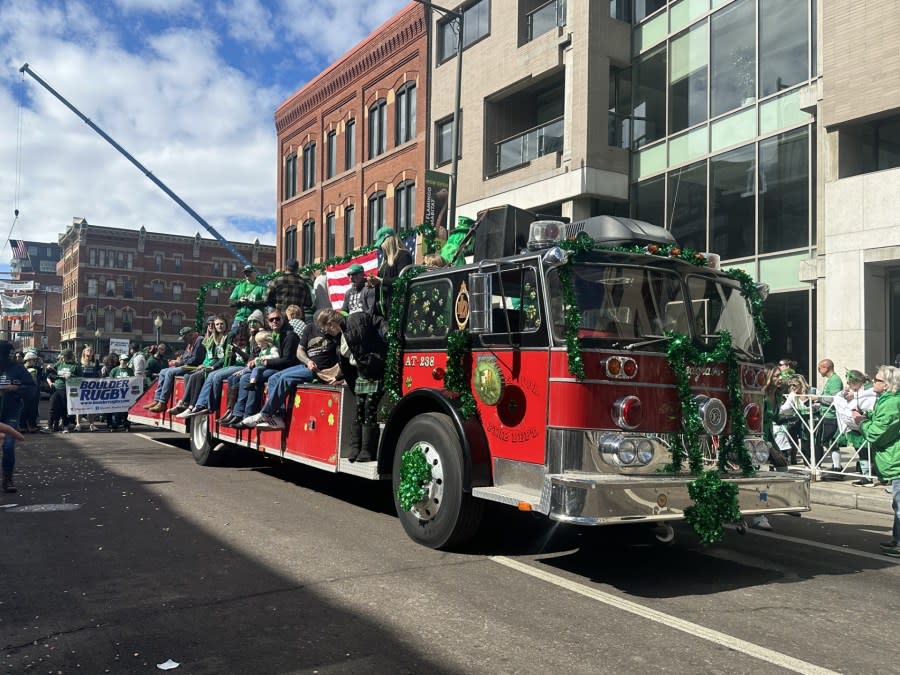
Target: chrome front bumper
{"x": 596, "y": 499}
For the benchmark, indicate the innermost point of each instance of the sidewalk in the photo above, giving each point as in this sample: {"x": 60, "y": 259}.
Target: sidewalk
{"x": 849, "y": 496}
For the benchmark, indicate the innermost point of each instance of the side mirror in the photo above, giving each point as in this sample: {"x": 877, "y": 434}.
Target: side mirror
{"x": 480, "y": 295}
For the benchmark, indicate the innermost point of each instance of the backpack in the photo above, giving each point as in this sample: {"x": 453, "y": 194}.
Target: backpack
{"x": 364, "y": 336}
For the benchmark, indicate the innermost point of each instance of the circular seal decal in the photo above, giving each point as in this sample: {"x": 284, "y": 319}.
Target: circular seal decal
{"x": 487, "y": 381}
{"x": 462, "y": 306}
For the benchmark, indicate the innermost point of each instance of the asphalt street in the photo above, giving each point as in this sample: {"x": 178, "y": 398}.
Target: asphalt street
{"x": 121, "y": 553}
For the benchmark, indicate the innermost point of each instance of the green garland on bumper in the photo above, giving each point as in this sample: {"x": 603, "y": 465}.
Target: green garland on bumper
{"x": 414, "y": 476}
{"x": 715, "y": 503}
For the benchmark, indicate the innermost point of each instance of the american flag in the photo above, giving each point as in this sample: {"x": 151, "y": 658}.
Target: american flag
{"x": 339, "y": 281}
{"x": 19, "y": 250}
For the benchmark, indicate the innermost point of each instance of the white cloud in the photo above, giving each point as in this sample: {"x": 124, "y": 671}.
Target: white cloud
{"x": 188, "y": 88}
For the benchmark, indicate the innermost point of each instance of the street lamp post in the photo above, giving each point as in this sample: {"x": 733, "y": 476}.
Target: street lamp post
{"x": 454, "y": 130}
{"x": 97, "y": 334}
{"x": 157, "y": 322}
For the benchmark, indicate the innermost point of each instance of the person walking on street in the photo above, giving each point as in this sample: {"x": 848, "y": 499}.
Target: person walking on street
{"x": 289, "y": 289}
{"x": 881, "y": 428}
{"x": 16, "y": 386}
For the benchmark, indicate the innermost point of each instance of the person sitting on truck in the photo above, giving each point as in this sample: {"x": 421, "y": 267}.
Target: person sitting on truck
{"x": 247, "y": 352}
{"x": 268, "y": 351}
{"x": 360, "y": 297}
{"x": 248, "y": 399}
{"x": 191, "y": 359}
{"x": 295, "y": 317}
{"x": 214, "y": 344}
{"x": 233, "y": 362}
{"x": 317, "y": 352}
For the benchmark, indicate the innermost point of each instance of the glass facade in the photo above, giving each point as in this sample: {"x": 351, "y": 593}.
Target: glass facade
{"x": 723, "y": 155}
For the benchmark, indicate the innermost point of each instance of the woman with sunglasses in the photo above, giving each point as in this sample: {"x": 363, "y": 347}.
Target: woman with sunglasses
{"x": 881, "y": 429}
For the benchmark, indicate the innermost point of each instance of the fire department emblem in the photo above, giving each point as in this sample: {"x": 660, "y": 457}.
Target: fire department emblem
{"x": 487, "y": 381}
{"x": 462, "y": 306}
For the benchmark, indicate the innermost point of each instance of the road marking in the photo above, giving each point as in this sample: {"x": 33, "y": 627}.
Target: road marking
{"x": 153, "y": 440}
{"x": 828, "y": 547}
{"x": 696, "y": 630}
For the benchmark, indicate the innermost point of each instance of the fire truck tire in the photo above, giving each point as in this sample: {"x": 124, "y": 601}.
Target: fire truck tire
{"x": 201, "y": 443}
{"x": 448, "y": 516}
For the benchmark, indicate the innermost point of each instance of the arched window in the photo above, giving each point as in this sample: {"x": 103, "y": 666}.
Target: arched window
{"x": 309, "y": 242}
{"x": 406, "y": 113}
{"x": 377, "y": 128}
{"x": 376, "y": 216}
{"x": 404, "y": 205}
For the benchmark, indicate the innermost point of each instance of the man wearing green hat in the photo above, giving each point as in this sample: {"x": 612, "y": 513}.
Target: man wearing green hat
{"x": 395, "y": 259}
{"x": 359, "y": 297}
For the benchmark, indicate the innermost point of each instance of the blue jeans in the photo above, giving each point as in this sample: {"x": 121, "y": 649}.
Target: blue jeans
{"x": 166, "y": 383}
{"x": 281, "y": 383}
{"x": 9, "y": 446}
{"x": 895, "y": 500}
{"x": 212, "y": 388}
{"x": 248, "y": 399}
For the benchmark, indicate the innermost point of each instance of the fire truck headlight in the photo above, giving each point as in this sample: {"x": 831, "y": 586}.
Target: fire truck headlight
{"x": 627, "y": 452}
{"x": 644, "y": 451}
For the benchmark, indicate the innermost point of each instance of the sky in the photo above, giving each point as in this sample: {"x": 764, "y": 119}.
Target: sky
{"x": 188, "y": 87}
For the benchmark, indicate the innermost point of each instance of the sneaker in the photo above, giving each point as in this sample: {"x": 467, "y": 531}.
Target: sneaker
{"x": 269, "y": 422}
{"x": 893, "y": 552}
{"x": 888, "y": 544}
{"x": 863, "y": 481}
{"x": 196, "y": 410}
{"x": 157, "y": 407}
{"x": 760, "y": 523}
{"x": 184, "y": 413}
{"x": 252, "y": 420}
{"x": 178, "y": 409}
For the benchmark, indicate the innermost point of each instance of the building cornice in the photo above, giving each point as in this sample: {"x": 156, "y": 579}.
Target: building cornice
{"x": 399, "y": 33}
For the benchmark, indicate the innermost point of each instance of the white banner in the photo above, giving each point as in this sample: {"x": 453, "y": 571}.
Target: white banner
{"x": 10, "y": 285}
{"x": 118, "y": 346}
{"x": 15, "y": 307}
{"x": 107, "y": 395}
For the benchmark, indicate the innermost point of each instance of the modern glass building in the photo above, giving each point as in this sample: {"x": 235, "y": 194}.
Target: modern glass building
{"x": 718, "y": 109}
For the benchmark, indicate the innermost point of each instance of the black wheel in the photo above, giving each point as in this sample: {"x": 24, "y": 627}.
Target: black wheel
{"x": 201, "y": 447}
{"x": 446, "y": 516}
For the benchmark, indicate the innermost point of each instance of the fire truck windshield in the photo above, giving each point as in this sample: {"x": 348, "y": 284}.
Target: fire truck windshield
{"x": 622, "y": 305}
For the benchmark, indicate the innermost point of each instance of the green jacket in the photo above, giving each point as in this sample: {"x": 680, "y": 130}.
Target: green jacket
{"x": 882, "y": 431}
{"x": 247, "y": 296}
{"x": 833, "y": 385}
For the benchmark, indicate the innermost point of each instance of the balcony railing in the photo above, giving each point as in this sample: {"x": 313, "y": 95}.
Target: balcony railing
{"x": 536, "y": 142}
{"x": 546, "y": 17}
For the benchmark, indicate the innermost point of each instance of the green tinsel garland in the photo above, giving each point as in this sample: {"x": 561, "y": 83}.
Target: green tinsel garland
{"x": 459, "y": 350}
{"x": 572, "y": 320}
{"x": 415, "y": 473}
{"x": 715, "y": 503}
{"x": 681, "y": 353}
{"x": 392, "y": 361}
{"x": 426, "y": 231}
{"x": 754, "y": 301}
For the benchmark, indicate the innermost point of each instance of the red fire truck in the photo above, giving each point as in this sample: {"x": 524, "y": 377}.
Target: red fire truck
{"x": 591, "y": 448}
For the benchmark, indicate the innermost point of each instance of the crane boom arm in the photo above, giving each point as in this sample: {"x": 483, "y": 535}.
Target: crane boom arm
{"x": 156, "y": 181}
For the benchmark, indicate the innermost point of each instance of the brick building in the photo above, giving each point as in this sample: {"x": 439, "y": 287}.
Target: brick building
{"x": 36, "y": 261}
{"x": 115, "y": 282}
{"x": 351, "y": 144}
